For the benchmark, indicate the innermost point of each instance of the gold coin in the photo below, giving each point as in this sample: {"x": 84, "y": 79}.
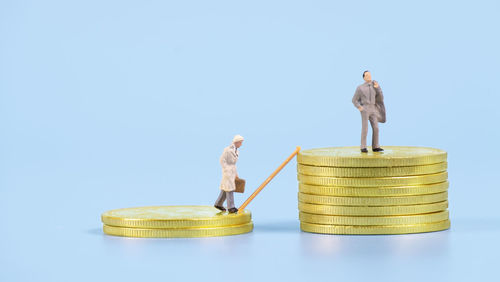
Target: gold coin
{"x": 376, "y": 229}
{"x": 374, "y": 181}
{"x": 373, "y": 220}
{"x": 173, "y": 217}
{"x": 371, "y": 171}
{"x": 352, "y": 157}
{"x": 374, "y": 191}
{"x": 373, "y": 201}
{"x": 178, "y": 232}
{"x": 373, "y": 211}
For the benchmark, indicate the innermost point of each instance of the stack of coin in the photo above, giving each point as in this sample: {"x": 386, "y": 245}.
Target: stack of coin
{"x": 175, "y": 221}
{"x": 397, "y": 191}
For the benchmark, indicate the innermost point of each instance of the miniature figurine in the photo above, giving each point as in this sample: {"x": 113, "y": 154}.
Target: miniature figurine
{"x": 369, "y": 100}
{"x": 229, "y": 174}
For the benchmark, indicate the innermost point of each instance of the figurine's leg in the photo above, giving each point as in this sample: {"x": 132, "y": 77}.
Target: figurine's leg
{"x": 364, "y": 128}
{"x": 221, "y": 199}
{"x": 230, "y": 200}
{"x": 374, "y": 124}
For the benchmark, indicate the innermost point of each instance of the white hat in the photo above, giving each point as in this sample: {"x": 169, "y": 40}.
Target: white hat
{"x": 237, "y": 138}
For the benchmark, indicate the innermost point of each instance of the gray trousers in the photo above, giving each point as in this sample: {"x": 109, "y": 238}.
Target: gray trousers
{"x": 369, "y": 113}
{"x": 222, "y": 197}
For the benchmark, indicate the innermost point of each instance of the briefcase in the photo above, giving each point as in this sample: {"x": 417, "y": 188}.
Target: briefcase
{"x": 240, "y": 185}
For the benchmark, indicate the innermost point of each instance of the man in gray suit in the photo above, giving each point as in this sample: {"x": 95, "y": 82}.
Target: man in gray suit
{"x": 369, "y": 100}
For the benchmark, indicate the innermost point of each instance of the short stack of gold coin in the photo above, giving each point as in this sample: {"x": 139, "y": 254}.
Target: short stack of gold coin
{"x": 400, "y": 190}
{"x": 175, "y": 222}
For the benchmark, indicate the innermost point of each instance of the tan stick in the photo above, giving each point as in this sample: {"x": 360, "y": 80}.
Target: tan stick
{"x": 269, "y": 179}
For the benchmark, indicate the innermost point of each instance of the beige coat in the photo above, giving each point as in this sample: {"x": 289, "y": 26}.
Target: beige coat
{"x": 228, "y": 162}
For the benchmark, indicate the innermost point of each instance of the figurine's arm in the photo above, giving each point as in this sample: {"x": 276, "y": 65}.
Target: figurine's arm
{"x": 379, "y": 92}
{"x": 232, "y": 159}
{"x": 227, "y": 159}
{"x": 356, "y": 98}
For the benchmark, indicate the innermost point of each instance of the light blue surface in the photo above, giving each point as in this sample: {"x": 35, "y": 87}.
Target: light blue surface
{"x": 112, "y": 104}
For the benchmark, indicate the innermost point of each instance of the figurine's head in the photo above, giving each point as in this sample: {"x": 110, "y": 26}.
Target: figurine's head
{"x": 367, "y": 76}
{"x": 238, "y": 140}
{"x": 238, "y": 144}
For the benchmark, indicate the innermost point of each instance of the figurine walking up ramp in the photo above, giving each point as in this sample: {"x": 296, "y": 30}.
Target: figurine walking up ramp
{"x": 184, "y": 221}
{"x": 257, "y": 191}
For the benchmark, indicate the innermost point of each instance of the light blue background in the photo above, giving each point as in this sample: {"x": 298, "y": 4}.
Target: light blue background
{"x": 112, "y": 104}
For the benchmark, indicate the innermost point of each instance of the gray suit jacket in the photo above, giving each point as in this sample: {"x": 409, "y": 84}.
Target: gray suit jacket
{"x": 366, "y": 94}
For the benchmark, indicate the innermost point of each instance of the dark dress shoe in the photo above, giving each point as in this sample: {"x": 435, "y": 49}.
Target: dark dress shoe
{"x": 378, "y": 149}
{"x": 364, "y": 150}
{"x": 220, "y": 208}
{"x": 233, "y": 210}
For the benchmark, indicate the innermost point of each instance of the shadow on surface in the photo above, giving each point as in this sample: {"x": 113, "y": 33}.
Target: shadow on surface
{"x": 429, "y": 244}
{"x": 95, "y": 231}
{"x": 278, "y": 226}
{"x": 475, "y": 224}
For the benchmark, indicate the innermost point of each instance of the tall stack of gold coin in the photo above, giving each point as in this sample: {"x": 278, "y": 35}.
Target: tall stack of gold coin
{"x": 175, "y": 221}
{"x": 400, "y": 190}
